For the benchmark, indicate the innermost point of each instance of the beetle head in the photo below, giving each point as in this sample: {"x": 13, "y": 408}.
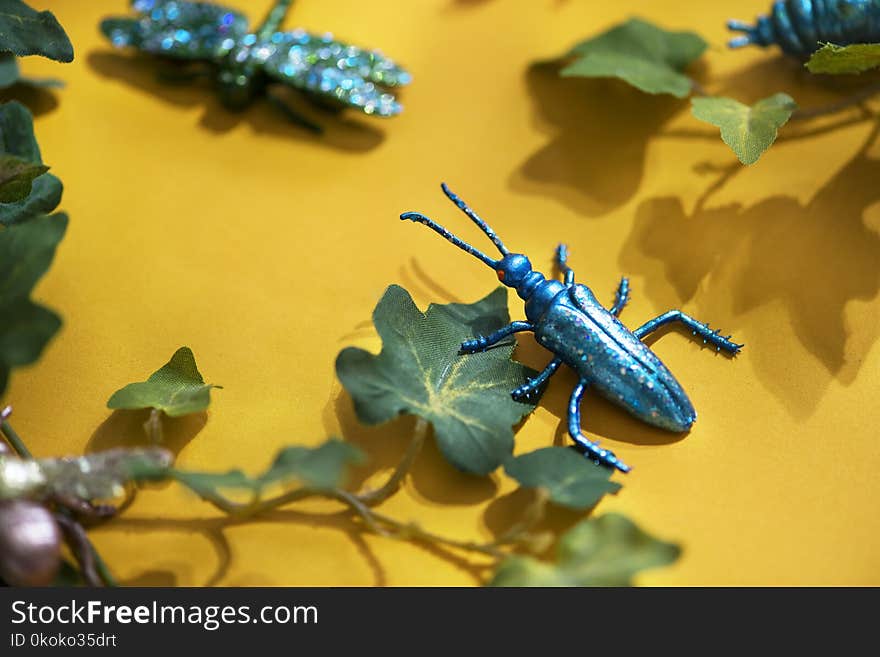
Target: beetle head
{"x": 513, "y": 269}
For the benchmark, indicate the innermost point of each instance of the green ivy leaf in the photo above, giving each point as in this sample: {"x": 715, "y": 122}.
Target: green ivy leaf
{"x": 323, "y": 467}
{"x": 749, "y": 131}
{"x": 9, "y": 73}
{"x": 319, "y": 467}
{"x": 17, "y": 140}
{"x": 26, "y": 251}
{"x": 45, "y": 196}
{"x": 641, "y": 54}
{"x": 420, "y": 371}
{"x": 605, "y": 551}
{"x": 24, "y": 31}
{"x": 176, "y": 389}
{"x": 17, "y": 177}
{"x": 17, "y": 132}
{"x": 571, "y": 480}
{"x": 836, "y": 60}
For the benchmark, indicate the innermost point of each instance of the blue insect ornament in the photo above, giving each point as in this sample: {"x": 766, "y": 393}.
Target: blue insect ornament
{"x": 243, "y": 62}
{"x": 569, "y": 321}
{"x": 800, "y": 27}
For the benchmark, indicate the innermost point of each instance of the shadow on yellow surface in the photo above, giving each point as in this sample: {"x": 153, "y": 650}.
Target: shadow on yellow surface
{"x": 126, "y": 429}
{"x": 39, "y": 100}
{"x": 813, "y": 259}
{"x": 215, "y": 228}
{"x": 146, "y": 73}
{"x": 599, "y": 131}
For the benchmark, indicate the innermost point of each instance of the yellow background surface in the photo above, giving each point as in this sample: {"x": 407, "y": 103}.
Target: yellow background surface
{"x": 265, "y": 249}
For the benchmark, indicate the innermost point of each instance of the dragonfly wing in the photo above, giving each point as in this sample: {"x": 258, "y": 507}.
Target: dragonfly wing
{"x": 186, "y": 30}
{"x": 321, "y": 65}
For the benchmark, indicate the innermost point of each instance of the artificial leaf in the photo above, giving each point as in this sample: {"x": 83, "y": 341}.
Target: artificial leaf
{"x": 176, "y": 389}
{"x": 318, "y": 467}
{"x": 17, "y": 177}
{"x": 17, "y": 140}
{"x": 24, "y": 31}
{"x": 98, "y": 476}
{"x": 643, "y": 55}
{"x": 836, "y": 60}
{"x": 569, "y": 478}
{"x": 749, "y": 131}
{"x": 9, "y": 73}
{"x": 323, "y": 467}
{"x": 420, "y": 371}
{"x": 45, "y": 196}
{"x": 26, "y": 251}
{"x": 605, "y": 551}
{"x": 17, "y": 132}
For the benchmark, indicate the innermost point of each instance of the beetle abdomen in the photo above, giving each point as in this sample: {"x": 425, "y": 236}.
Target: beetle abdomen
{"x": 800, "y": 26}
{"x": 616, "y": 363}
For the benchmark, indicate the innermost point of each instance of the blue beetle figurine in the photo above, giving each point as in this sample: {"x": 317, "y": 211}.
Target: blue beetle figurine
{"x": 800, "y": 27}
{"x": 569, "y": 321}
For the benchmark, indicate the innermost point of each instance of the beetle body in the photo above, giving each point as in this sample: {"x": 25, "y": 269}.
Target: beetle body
{"x": 597, "y": 346}
{"x": 800, "y": 27}
{"x": 580, "y": 332}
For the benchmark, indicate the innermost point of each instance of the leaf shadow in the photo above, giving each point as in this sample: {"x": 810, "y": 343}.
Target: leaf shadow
{"x": 124, "y": 428}
{"x": 777, "y": 73}
{"x": 599, "y": 131}
{"x": 421, "y": 284}
{"x": 431, "y": 477}
{"x": 811, "y": 259}
{"x": 215, "y": 530}
{"x": 152, "y": 578}
{"x": 142, "y": 72}
{"x": 39, "y": 100}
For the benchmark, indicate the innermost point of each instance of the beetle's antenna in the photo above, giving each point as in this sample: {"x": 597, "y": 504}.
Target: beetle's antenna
{"x": 464, "y": 207}
{"x": 437, "y": 228}
{"x": 749, "y": 36}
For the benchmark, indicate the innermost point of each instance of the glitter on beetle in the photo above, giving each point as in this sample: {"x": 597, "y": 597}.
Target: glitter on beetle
{"x": 800, "y": 27}
{"x": 569, "y": 321}
{"x": 244, "y": 62}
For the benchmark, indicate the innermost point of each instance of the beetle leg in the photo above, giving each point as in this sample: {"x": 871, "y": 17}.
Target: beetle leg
{"x": 530, "y": 391}
{"x": 482, "y": 343}
{"x": 593, "y": 451}
{"x": 560, "y": 259}
{"x": 621, "y": 298}
{"x": 720, "y": 342}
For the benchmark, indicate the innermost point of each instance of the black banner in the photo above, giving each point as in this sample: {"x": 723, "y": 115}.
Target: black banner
{"x": 133, "y": 621}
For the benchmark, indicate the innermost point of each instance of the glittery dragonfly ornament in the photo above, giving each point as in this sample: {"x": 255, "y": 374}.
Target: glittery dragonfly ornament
{"x": 244, "y": 62}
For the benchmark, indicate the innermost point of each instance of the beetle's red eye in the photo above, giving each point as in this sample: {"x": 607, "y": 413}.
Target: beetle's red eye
{"x": 500, "y": 273}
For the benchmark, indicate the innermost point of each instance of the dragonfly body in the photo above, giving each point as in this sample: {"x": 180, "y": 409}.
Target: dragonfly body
{"x": 580, "y": 332}
{"x": 245, "y": 62}
{"x": 800, "y": 27}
